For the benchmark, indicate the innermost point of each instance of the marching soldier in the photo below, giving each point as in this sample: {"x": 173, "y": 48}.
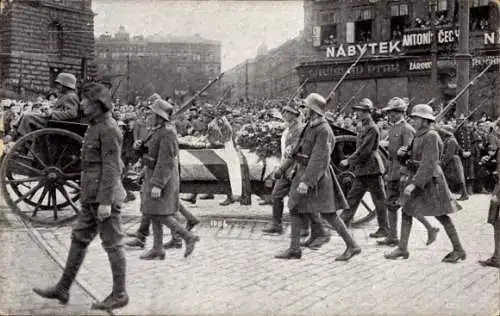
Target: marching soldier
{"x": 426, "y": 192}
{"x": 160, "y": 190}
{"x": 493, "y": 215}
{"x": 401, "y": 134}
{"x": 368, "y": 169}
{"x": 465, "y": 138}
{"x": 314, "y": 182}
{"x": 102, "y": 195}
{"x": 66, "y": 108}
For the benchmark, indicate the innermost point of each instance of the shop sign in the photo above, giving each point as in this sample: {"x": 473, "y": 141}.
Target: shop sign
{"x": 381, "y": 48}
{"x": 425, "y": 65}
{"x": 492, "y": 38}
{"x": 423, "y": 38}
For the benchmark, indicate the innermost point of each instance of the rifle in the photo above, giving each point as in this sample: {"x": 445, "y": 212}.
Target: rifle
{"x": 116, "y": 89}
{"x": 459, "y": 94}
{"x": 411, "y": 100}
{"x": 348, "y": 71}
{"x": 222, "y": 98}
{"x": 471, "y": 113}
{"x": 297, "y": 92}
{"x": 187, "y": 104}
{"x": 345, "y": 105}
{"x": 430, "y": 101}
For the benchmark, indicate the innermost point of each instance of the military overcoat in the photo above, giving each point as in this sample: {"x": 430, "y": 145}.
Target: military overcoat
{"x": 324, "y": 194}
{"x": 431, "y": 197}
{"x": 162, "y": 171}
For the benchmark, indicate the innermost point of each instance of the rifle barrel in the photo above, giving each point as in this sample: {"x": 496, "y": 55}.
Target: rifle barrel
{"x": 297, "y": 92}
{"x": 348, "y": 71}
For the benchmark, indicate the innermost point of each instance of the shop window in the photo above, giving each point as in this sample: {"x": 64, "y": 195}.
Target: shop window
{"x": 399, "y": 20}
{"x": 55, "y": 42}
{"x": 329, "y": 34}
{"x": 479, "y": 15}
{"x": 363, "y": 25}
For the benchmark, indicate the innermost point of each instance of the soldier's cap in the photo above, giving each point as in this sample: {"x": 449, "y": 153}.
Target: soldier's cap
{"x": 423, "y": 111}
{"x": 316, "y": 103}
{"x": 396, "y": 104}
{"x": 96, "y": 92}
{"x": 66, "y": 79}
{"x": 162, "y": 108}
{"x": 364, "y": 105}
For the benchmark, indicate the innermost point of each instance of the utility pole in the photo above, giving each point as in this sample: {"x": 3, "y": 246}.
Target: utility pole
{"x": 463, "y": 57}
{"x": 128, "y": 77}
{"x": 246, "y": 80}
{"x": 434, "y": 49}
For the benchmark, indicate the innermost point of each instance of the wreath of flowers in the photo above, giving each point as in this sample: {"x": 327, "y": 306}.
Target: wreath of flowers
{"x": 264, "y": 139}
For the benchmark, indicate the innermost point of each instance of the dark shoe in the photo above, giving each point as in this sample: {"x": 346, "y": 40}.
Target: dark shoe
{"x": 397, "y": 253}
{"x": 173, "y": 243}
{"x": 380, "y": 233}
{"x": 432, "y": 235}
{"x": 289, "y": 254}
{"x": 308, "y": 241}
{"x": 464, "y": 197}
{"x": 111, "y": 302}
{"x": 491, "y": 262}
{"x": 191, "y": 199}
{"x": 206, "y": 197}
{"x": 455, "y": 256}
{"x": 227, "y": 201}
{"x": 266, "y": 203}
{"x": 304, "y": 232}
{"x": 191, "y": 224}
{"x": 348, "y": 254}
{"x": 388, "y": 242}
{"x": 318, "y": 242}
{"x": 190, "y": 243}
{"x": 153, "y": 254}
{"x": 135, "y": 243}
{"x": 273, "y": 230}
{"x": 53, "y": 293}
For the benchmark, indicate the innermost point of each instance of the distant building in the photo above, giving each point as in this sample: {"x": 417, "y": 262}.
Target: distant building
{"x": 41, "y": 38}
{"x": 168, "y": 65}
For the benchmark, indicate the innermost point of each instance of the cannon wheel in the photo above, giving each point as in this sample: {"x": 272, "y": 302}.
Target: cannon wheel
{"x": 40, "y": 176}
{"x": 345, "y": 145}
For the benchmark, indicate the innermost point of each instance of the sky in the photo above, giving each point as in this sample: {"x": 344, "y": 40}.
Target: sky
{"x": 241, "y": 25}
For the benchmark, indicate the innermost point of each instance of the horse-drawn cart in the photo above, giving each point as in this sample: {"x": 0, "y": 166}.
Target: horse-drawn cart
{"x": 40, "y": 176}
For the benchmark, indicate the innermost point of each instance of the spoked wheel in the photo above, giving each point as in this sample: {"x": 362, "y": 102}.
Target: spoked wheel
{"x": 345, "y": 145}
{"x": 40, "y": 176}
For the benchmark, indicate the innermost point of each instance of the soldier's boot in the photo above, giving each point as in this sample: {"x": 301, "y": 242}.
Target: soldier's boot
{"x": 130, "y": 197}
{"x": 352, "y": 247}
{"x": 190, "y": 198}
{"x": 191, "y": 220}
{"x": 494, "y": 261}
{"x": 458, "y": 252}
{"x": 157, "y": 252}
{"x": 347, "y": 216}
{"x": 402, "y": 250}
{"x": 137, "y": 242}
{"x": 118, "y": 297}
{"x": 189, "y": 238}
{"x": 294, "y": 252}
{"x": 318, "y": 236}
{"x": 207, "y": 196}
{"x": 392, "y": 239}
{"x": 464, "y": 194}
{"x": 276, "y": 227}
{"x": 383, "y": 229}
{"x": 60, "y": 291}
{"x": 431, "y": 231}
{"x": 174, "y": 243}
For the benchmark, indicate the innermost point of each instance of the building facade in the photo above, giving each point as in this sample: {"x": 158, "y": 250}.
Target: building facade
{"x": 41, "y": 38}
{"x": 170, "y": 66}
{"x": 397, "y": 37}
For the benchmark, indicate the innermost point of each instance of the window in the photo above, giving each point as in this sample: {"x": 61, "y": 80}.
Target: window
{"x": 55, "y": 42}
{"x": 363, "y": 25}
{"x": 399, "y": 20}
{"x": 328, "y": 29}
{"x": 329, "y": 17}
{"x": 328, "y": 34}
{"x": 479, "y": 15}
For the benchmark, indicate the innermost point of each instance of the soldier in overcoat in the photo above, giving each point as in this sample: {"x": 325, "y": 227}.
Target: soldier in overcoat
{"x": 101, "y": 195}
{"x": 368, "y": 169}
{"x": 426, "y": 192}
{"x": 160, "y": 190}
{"x": 314, "y": 188}
{"x": 66, "y": 108}
{"x": 494, "y": 214}
{"x": 401, "y": 134}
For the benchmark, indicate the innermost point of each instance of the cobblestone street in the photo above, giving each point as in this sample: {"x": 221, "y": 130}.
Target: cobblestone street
{"x": 232, "y": 271}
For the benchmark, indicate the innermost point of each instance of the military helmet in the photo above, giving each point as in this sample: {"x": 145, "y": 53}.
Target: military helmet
{"x": 364, "y": 105}
{"x": 162, "y": 108}
{"x": 66, "y": 79}
{"x": 423, "y": 111}
{"x": 154, "y": 97}
{"x": 396, "y": 104}
{"x": 97, "y": 92}
{"x": 316, "y": 103}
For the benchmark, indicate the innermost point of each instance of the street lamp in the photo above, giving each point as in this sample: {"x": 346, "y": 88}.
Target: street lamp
{"x": 434, "y": 48}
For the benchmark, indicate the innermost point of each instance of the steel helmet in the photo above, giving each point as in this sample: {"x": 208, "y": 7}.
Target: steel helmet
{"x": 66, "y": 79}
{"x": 162, "y": 108}
{"x": 97, "y": 92}
{"x": 423, "y": 111}
{"x": 316, "y": 103}
{"x": 396, "y": 104}
{"x": 365, "y": 105}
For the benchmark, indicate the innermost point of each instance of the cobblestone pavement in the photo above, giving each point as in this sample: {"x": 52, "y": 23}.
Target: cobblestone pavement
{"x": 24, "y": 265}
{"x": 232, "y": 271}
